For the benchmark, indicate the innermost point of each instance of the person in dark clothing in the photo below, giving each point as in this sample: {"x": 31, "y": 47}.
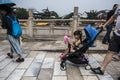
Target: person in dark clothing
{"x": 114, "y": 45}
{"x": 6, "y": 11}
{"x": 110, "y": 26}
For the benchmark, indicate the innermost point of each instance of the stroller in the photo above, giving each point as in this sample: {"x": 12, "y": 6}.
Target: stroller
{"x": 78, "y": 56}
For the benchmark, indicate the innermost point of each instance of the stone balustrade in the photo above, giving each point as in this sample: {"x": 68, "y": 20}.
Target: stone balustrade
{"x": 52, "y": 27}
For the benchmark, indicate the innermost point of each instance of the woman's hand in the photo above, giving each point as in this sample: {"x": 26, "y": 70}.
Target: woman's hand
{"x": 101, "y": 26}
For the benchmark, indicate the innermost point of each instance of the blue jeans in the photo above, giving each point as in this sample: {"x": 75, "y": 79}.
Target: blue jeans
{"x": 15, "y": 44}
{"x": 107, "y": 35}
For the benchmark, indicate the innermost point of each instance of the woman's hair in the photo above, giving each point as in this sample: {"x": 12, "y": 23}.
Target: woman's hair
{"x": 78, "y": 32}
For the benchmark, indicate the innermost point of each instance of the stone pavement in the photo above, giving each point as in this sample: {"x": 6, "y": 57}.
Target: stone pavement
{"x": 42, "y": 63}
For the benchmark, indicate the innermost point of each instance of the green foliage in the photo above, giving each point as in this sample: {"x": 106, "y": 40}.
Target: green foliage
{"x": 92, "y": 14}
{"x": 69, "y": 16}
{"x": 53, "y": 13}
{"x": 22, "y": 13}
{"x": 47, "y": 14}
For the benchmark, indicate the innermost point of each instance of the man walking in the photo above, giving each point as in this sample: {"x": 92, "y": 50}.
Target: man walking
{"x": 7, "y": 23}
{"x": 114, "y": 46}
{"x": 106, "y": 38}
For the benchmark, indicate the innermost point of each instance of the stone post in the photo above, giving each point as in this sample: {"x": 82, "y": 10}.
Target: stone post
{"x": 75, "y": 19}
{"x": 30, "y": 23}
{"x": 51, "y": 28}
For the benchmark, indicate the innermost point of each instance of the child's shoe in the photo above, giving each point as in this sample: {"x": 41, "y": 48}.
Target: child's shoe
{"x": 62, "y": 56}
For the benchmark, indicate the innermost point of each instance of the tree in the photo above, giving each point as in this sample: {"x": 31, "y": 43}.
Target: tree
{"x": 68, "y": 16}
{"x": 54, "y": 14}
{"x": 47, "y": 14}
{"x": 22, "y": 13}
{"x": 102, "y": 14}
{"x": 92, "y": 14}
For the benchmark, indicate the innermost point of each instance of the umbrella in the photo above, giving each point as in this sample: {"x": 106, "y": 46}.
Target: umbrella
{"x": 7, "y": 3}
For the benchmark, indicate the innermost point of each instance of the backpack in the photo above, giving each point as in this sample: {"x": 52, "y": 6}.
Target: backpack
{"x": 16, "y": 28}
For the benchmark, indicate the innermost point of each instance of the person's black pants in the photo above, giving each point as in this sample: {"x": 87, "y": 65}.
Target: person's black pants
{"x": 107, "y": 35}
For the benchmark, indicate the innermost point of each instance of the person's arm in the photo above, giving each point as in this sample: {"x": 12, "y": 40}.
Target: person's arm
{"x": 78, "y": 43}
{"x": 110, "y": 20}
{"x": 71, "y": 43}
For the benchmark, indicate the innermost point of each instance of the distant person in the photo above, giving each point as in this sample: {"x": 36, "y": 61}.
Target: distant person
{"x": 106, "y": 38}
{"x": 7, "y": 23}
{"x": 114, "y": 46}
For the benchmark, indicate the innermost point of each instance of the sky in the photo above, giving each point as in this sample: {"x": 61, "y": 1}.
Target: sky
{"x": 63, "y": 7}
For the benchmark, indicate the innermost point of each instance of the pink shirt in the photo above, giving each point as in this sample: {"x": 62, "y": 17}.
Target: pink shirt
{"x": 66, "y": 38}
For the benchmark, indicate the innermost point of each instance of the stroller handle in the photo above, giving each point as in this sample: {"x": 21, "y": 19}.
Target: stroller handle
{"x": 100, "y": 29}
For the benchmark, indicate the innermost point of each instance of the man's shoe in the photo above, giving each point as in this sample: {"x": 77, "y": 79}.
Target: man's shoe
{"x": 97, "y": 71}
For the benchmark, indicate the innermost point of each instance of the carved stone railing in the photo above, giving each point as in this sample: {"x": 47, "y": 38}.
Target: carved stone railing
{"x": 53, "y": 27}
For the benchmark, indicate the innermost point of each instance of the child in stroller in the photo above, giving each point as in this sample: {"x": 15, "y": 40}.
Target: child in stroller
{"x": 78, "y": 56}
{"x": 72, "y": 45}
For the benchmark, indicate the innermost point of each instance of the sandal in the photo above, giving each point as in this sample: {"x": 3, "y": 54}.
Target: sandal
{"x": 62, "y": 56}
{"x": 20, "y": 60}
{"x": 9, "y": 54}
{"x": 97, "y": 71}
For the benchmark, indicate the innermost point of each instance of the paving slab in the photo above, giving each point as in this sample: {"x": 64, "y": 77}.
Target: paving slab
{"x": 59, "y": 78}
{"x": 48, "y": 63}
{"x": 2, "y": 78}
{"x": 73, "y": 73}
{"x": 4, "y": 63}
{"x": 45, "y": 74}
{"x": 90, "y": 78}
{"x": 26, "y": 63}
{"x": 32, "y": 54}
{"x": 8, "y": 69}
{"x": 34, "y": 69}
{"x": 57, "y": 70}
{"x": 16, "y": 75}
{"x": 29, "y": 78}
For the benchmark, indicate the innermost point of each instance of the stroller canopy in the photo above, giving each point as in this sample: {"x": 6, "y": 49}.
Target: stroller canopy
{"x": 91, "y": 33}
{"x": 8, "y": 3}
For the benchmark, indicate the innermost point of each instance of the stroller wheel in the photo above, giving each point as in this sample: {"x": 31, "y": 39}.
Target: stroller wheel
{"x": 63, "y": 66}
{"x": 87, "y": 67}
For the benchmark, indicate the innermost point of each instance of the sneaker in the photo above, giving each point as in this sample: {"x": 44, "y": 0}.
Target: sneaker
{"x": 9, "y": 54}
{"x": 20, "y": 60}
{"x": 62, "y": 56}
